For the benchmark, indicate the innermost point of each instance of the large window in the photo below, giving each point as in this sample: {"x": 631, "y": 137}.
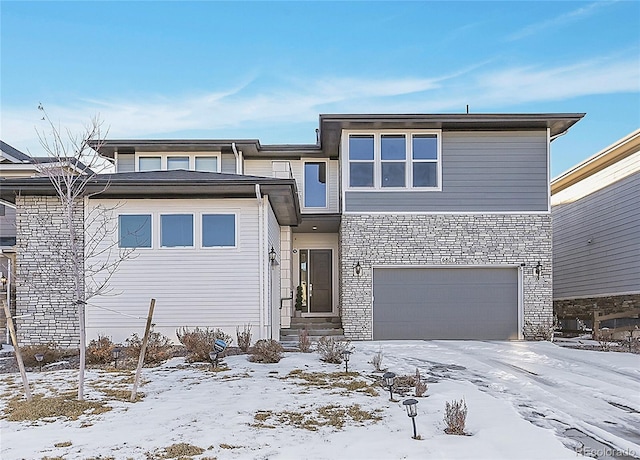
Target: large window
{"x": 149, "y": 164}
{"x": 394, "y": 161}
{"x": 218, "y": 230}
{"x": 176, "y": 230}
{"x": 315, "y": 185}
{"x": 177, "y": 163}
{"x": 134, "y": 231}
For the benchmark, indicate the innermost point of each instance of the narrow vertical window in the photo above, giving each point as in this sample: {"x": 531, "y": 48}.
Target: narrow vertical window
{"x": 361, "y": 161}
{"x": 393, "y": 156}
{"x": 425, "y": 160}
{"x": 315, "y": 185}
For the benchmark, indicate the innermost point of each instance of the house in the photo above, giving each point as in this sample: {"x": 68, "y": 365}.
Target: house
{"x": 596, "y": 234}
{"x": 397, "y": 226}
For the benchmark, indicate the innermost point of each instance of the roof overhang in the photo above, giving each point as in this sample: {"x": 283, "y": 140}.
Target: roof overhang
{"x": 282, "y": 193}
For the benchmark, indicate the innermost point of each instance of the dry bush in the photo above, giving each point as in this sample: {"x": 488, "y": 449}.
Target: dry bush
{"x": 49, "y": 350}
{"x": 266, "y": 351}
{"x": 541, "y": 331}
{"x": 455, "y": 416}
{"x": 99, "y": 351}
{"x": 199, "y": 342}
{"x": 159, "y": 348}
{"x": 377, "y": 361}
{"x": 244, "y": 337}
{"x": 605, "y": 338}
{"x": 304, "y": 342}
{"x": 421, "y": 386}
{"x": 331, "y": 349}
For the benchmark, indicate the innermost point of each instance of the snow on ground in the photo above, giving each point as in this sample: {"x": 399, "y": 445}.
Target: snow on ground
{"x": 521, "y": 398}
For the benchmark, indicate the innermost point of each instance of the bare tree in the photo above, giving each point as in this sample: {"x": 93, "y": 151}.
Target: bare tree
{"x": 72, "y": 168}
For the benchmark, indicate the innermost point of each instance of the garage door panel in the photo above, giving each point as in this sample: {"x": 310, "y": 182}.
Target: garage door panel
{"x": 456, "y": 303}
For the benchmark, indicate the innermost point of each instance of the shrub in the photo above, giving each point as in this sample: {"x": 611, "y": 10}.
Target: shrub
{"x": 455, "y": 416}
{"x": 244, "y": 337}
{"x": 377, "y": 361}
{"x": 541, "y": 331}
{"x": 421, "y": 387}
{"x": 266, "y": 351}
{"x": 304, "y": 342}
{"x": 331, "y": 349}
{"x": 99, "y": 351}
{"x": 159, "y": 348}
{"x": 49, "y": 350}
{"x": 199, "y": 342}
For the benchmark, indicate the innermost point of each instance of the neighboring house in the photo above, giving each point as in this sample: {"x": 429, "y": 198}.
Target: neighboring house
{"x": 596, "y": 233}
{"x": 400, "y": 226}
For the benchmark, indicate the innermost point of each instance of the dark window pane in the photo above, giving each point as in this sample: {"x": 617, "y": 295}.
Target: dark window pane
{"x": 176, "y": 230}
{"x": 425, "y": 174}
{"x": 178, "y": 163}
{"x": 393, "y": 174}
{"x": 393, "y": 147}
{"x": 425, "y": 147}
{"x": 207, "y": 164}
{"x": 134, "y": 231}
{"x": 361, "y": 175}
{"x": 218, "y": 230}
{"x": 361, "y": 147}
{"x": 149, "y": 164}
{"x": 315, "y": 185}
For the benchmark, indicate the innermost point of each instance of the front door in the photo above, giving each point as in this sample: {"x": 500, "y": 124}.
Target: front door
{"x": 316, "y": 275}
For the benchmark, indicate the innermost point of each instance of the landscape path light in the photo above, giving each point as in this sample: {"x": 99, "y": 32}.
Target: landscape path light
{"x": 218, "y": 347}
{"x": 412, "y": 410}
{"x": 345, "y": 355}
{"x": 115, "y": 353}
{"x": 389, "y": 378}
{"x": 39, "y": 357}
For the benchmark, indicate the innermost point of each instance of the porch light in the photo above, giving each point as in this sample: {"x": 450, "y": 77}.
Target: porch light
{"x": 3, "y": 280}
{"x": 345, "y": 355}
{"x": 272, "y": 256}
{"x": 39, "y": 357}
{"x": 412, "y": 411}
{"x": 538, "y": 270}
{"x": 358, "y": 269}
{"x": 115, "y": 353}
{"x": 389, "y": 378}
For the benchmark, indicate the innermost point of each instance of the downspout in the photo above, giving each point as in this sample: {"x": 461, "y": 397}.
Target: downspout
{"x": 260, "y": 260}
{"x": 267, "y": 278}
{"x": 238, "y": 155}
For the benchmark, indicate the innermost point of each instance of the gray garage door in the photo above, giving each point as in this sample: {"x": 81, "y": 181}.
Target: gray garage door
{"x": 445, "y": 303}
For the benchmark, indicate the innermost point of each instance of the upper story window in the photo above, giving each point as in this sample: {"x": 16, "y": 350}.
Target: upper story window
{"x": 149, "y": 164}
{"x": 394, "y": 161}
{"x": 177, "y": 163}
{"x": 315, "y": 184}
{"x": 134, "y": 230}
{"x": 207, "y": 164}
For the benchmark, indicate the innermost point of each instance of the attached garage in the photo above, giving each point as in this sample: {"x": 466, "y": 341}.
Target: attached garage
{"x": 479, "y": 303}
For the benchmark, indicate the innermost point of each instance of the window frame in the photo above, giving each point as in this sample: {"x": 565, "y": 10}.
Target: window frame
{"x": 193, "y": 230}
{"x": 182, "y": 157}
{"x": 217, "y": 213}
{"x": 151, "y": 230}
{"x": 139, "y": 157}
{"x": 164, "y": 156}
{"x": 218, "y": 158}
{"x": 377, "y": 160}
{"x": 304, "y": 183}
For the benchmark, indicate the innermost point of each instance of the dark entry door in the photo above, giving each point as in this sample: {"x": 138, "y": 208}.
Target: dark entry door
{"x": 320, "y": 276}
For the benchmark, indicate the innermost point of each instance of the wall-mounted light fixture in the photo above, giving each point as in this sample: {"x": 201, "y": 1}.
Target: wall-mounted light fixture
{"x": 272, "y": 256}
{"x": 358, "y": 269}
{"x": 538, "y": 270}
{"x": 3, "y": 280}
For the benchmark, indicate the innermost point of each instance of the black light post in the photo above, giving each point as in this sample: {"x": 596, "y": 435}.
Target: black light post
{"x": 389, "y": 378}
{"x": 115, "y": 353}
{"x": 412, "y": 411}
{"x": 345, "y": 355}
{"x": 39, "y": 357}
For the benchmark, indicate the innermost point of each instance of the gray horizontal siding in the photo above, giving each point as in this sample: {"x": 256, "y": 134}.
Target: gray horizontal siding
{"x": 481, "y": 171}
{"x": 228, "y": 163}
{"x": 596, "y": 242}
{"x": 126, "y": 162}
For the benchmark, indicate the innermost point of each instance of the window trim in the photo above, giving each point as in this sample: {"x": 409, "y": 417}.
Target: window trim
{"x": 201, "y": 229}
{"x": 151, "y": 230}
{"x": 377, "y": 160}
{"x": 193, "y": 231}
{"x": 304, "y": 185}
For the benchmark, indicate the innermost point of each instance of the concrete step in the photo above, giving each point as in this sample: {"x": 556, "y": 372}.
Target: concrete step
{"x": 316, "y": 320}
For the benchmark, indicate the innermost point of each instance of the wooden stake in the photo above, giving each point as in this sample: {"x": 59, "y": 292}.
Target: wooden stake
{"x": 143, "y": 350}
{"x": 12, "y": 331}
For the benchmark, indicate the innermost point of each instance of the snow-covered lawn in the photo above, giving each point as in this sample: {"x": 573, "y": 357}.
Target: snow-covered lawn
{"x": 521, "y": 398}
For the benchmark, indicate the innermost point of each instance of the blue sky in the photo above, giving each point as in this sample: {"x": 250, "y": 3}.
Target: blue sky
{"x": 266, "y": 70}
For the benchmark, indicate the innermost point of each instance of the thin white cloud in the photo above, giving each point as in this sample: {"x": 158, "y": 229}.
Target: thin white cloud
{"x": 561, "y": 20}
{"x": 246, "y": 108}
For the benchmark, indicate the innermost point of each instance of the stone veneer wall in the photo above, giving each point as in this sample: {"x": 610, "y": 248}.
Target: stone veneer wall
{"x": 419, "y": 240}
{"x": 44, "y": 285}
{"x": 585, "y": 308}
